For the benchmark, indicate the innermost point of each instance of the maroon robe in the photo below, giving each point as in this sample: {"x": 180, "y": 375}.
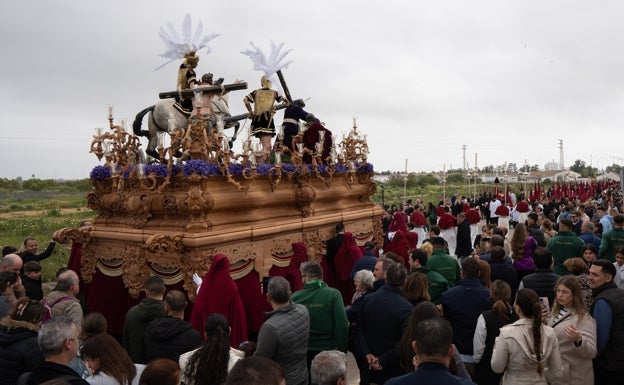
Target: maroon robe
{"x": 311, "y": 137}
{"x": 345, "y": 258}
{"x": 253, "y": 300}
{"x": 219, "y": 294}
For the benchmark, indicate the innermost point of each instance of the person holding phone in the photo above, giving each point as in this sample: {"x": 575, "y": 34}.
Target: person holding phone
{"x": 524, "y": 348}
{"x": 576, "y": 332}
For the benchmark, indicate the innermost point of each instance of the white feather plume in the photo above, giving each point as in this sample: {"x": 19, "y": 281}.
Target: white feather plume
{"x": 269, "y": 65}
{"x": 178, "y": 45}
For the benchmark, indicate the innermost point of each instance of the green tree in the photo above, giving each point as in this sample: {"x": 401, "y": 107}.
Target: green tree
{"x": 455, "y": 179}
{"x": 426, "y": 180}
{"x": 578, "y": 166}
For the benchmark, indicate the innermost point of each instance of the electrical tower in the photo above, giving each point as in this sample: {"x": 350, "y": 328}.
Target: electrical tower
{"x": 561, "y": 154}
{"x": 464, "y": 157}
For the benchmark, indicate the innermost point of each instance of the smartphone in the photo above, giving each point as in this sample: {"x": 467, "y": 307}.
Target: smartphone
{"x": 544, "y": 302}
{"x": 265, "y": 284}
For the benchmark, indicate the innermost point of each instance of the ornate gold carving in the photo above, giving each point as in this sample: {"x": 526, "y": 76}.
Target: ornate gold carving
{"x": 282, "y": 245}
{"x": 135, "y": 269}
{"x": 139, "y": 209}
{"x": 165, "y": 243}
{"x": 239, "y": 251}
{"x": 196, "y": 206}
{"x": 88, "y": 260}
{"x": 70, "y": 234}
{"x": 304, "y": 194}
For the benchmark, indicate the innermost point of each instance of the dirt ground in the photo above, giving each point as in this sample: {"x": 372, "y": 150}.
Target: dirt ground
{"x": 32, "y": 213}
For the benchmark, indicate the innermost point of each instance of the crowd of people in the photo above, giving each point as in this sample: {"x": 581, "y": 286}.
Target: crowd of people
{"x": 534, "y": 299}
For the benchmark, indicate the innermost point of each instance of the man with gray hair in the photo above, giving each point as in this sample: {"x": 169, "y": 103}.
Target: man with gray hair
{"x": 283, "y": 337}
{"x": 58, "y": 340}
{"x": 588, "y": 236}
{"x": 11, "y": 262}
{"x": 62, "y": 300}
{"x": 329, "y": 368}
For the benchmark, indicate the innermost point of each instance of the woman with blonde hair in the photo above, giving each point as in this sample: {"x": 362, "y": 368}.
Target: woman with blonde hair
{"x": 549, "y": 231}
{"x": 522, "y": 247}
{"x": 576, "y": 333}
{"x": 524, "y": 348}
{"x": 427, "y": 247}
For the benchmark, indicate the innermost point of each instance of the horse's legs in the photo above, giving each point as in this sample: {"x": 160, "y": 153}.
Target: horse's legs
{"x": 152, "y": 137}
{"x": 236, "y": 126}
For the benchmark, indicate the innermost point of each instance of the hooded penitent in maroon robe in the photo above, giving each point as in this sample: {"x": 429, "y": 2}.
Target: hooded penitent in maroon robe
{"x": 255, "y": 303}
{"x": 219, "y": 294}
{"x": 398, "y": 223}
{"x": 400, "y": 246}
{"x": 284, "y": 266}
{"x": 345, "y": 258}
{"x": 311, "y": 137}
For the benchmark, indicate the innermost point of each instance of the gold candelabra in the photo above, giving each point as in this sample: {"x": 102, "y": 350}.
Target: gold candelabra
{"x": 204, "y": 139}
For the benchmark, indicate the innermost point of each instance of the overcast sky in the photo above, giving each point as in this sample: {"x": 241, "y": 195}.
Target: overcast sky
{"x": 507, "y": 79}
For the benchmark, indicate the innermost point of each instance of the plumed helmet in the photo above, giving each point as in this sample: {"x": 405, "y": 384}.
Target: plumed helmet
{"x": 265, "y": 82}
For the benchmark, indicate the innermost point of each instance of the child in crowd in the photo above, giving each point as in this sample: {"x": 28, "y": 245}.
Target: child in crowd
{"x": 31, "y": 280}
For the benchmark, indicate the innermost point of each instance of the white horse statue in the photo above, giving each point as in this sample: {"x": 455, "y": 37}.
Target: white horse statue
{"x": 158, "y": 120}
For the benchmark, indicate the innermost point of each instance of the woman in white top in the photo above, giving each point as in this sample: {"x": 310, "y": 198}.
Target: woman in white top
{"x": 526, "y": 348}
{"x": 108, "y": 362}
{"x": 576, "y": 332}
{"x": 211, "y": 363}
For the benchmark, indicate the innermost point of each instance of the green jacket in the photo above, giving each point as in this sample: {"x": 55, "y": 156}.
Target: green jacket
{"x": 565, "y": 245}
{"x": 437, "y": 283}
{"x": 611, "y": 240}
{"x": 329, "y": 327}
{"x": 447, "y": 266}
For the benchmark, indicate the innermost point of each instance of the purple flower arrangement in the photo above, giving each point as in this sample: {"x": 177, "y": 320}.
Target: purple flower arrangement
{"x": 364, "y": 168}
{"x": 100, "y": 172}
{"x": 199, "y": 167}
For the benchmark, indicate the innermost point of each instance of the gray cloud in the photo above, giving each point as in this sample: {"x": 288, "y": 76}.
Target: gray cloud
{"x": 506, "y": 79}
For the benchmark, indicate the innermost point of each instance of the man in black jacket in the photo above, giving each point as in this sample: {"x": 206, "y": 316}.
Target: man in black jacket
{"x": 334, "y": 243}
{"x": 170, "y": 336}
{"x": 534, "y": 228}
{"x": 142, "y": 314}
{"x": 543, "y": 280}
{"x": 376, "y": 344}
{"x": 608, "y": 311}
{"x": 464, "y": 241}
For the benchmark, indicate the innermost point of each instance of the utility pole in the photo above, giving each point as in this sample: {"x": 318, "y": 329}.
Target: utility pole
{"x": 464, "y": 157}
{"x": 560, "y": 154}
{"x": 405, "y": 181}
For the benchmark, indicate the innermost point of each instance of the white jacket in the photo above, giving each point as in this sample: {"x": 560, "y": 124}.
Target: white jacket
{"x": 513, "y": 354}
